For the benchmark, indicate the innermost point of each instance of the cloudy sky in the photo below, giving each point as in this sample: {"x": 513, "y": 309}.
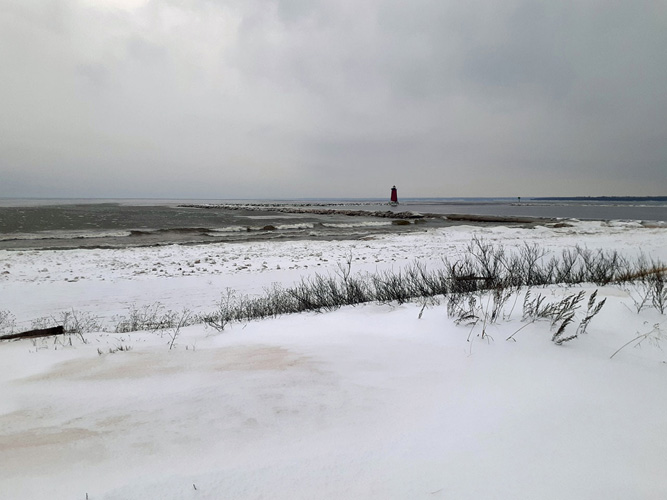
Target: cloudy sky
{"x": 338, "y": 98}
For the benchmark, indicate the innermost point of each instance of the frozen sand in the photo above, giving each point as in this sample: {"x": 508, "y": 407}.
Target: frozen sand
{"x": 365, "y": 402}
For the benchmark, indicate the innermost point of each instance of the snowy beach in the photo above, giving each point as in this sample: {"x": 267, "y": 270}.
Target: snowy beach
{"x": 293, "y": 250}
{"x": 371, "y": 401}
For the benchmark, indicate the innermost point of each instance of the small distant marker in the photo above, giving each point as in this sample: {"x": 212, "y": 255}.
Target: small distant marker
{"x": 394, "y": 196}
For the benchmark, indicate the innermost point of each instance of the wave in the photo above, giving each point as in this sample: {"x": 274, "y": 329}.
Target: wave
{"x": 304, "y": 225}
{"x": 279, "y": 227}
{"x": 63, "y": 234}
{"x": 228, "y": 229}
{"x": 172, "y": 230}
{"x": 357, "y": 224}
{"x": 276, "y": 216}
{"x": 143, "y": 233}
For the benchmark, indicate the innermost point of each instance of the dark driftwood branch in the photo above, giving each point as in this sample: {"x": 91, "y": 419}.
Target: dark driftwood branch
{"x": 44, "y": 332}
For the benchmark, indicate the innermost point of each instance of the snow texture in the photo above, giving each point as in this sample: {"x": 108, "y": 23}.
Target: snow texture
{"x": 367, "y": 402}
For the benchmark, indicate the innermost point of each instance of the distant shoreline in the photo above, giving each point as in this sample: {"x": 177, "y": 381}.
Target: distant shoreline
{"x": 600, "y": 198}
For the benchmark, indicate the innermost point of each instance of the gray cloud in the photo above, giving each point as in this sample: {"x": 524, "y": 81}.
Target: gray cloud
{"x": 299, "y": 98}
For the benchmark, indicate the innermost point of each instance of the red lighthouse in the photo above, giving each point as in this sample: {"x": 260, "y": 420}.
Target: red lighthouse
{"x": 394, "y": 196}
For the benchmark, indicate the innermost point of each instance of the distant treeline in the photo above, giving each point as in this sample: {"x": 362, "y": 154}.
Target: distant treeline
{"x": 602, "y": 198}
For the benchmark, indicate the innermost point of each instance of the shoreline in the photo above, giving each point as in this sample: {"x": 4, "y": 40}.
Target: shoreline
{"x": 398, "y": 223}
{"x": 37, "y": 283}
{"x": 100, "y": 227}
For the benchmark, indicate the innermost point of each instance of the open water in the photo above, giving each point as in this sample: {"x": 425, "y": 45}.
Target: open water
{"x": 44, "y": 224}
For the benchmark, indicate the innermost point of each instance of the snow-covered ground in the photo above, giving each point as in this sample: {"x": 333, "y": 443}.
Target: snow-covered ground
{"x": 106, "y": 283}
{"x": 364, "y": 402}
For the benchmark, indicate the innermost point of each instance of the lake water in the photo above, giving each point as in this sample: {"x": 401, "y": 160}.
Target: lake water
{"x": 119, "y": 223}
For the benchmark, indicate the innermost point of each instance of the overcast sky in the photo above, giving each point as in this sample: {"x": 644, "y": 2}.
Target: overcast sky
{"x": 339, "y": 98}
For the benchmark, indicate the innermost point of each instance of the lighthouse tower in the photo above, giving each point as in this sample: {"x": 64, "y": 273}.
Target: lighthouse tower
{"x": 394, "y": 196}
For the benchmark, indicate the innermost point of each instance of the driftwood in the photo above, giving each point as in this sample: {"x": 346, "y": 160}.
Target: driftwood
{"x": 44, "y": 332}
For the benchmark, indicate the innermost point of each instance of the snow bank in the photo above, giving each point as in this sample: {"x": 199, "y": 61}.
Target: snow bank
{"x": 364, "y": 402}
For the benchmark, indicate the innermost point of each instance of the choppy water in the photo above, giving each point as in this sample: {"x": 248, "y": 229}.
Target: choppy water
{"x": 142, "y": 223}
{"x": 655, "y": 211}
{"x": 120, "y": 223}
